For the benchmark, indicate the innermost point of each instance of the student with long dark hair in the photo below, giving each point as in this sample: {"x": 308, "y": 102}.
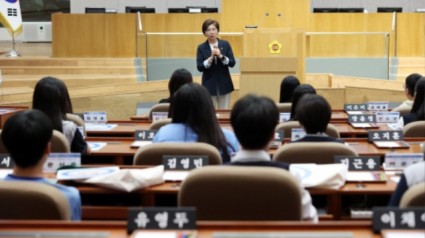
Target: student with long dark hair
{"x": 194, "y": 120}
{"x": 178, "y": 78}
{"x": 51, "y": 97}
{"x": 300, "y": 91}
{"x": 418, "y": 109}
{"x": 287, "y": 87}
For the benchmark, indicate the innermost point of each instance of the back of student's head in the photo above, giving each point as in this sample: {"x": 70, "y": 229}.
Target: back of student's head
{"x": 179, "y": 78}
{"x": 410, "y": 83}
{"x": 300, "y": 91}
{"x": 26, "y": 135}
{"x": 51, "y": 97}
{"x": 287, "y": 87}
{"x": 314, "y": 113}
{"x": 419, "y": 102}
{"x": 254, "y": 119}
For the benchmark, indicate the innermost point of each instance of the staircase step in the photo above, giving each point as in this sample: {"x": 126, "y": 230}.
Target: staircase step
{"x": 49, "y": 70}
{"x": 67, "y": 62}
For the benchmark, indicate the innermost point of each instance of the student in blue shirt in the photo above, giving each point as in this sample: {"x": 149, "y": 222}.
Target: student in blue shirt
{"x": 194, "y": 120}
{"x": 26, "y": 135}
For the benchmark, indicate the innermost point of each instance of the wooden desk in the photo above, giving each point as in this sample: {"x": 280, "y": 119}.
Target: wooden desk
{"x": 6, "y": 112}
{"x": 117, "y": 229}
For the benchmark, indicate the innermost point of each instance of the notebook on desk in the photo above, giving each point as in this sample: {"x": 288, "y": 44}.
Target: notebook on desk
{"x": 139, "y": 143}
{"x": 365, "y": 125}
{"x": 366, "y": 176}
{"x": 391, "y": 144}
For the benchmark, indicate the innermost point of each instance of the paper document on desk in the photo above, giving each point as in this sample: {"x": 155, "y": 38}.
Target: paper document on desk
{"x": 320, "y": 175}
{"x": 95, "y": 146}
{"x": 84, "y": 173}
{"x": 140, "y": 143}
{"x": 5, "y": 172}
{"x": 172, "y": 175}
{"x": 99, "y": 127}
{"x": 366, "y": 176}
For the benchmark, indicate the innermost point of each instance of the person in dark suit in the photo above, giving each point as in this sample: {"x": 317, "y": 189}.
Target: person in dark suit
{"x": 213, "y": 59}
{"x": 314, "y": 113}
{"x": 253, "y": 120}
{"x": 418, "y": 109}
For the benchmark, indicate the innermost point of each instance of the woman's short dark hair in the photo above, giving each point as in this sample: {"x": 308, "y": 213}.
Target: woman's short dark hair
{"x": 287, "y": 87}
{"x": 51, "y": 97}
{"x": 179, "y": 78}
{"x": 410, "y": 82}
{"x": 209, "y": 22}
{"x": 192, "y": 105}
{"x": 298, "y": 93}
{"x": 26, "y": 135}
{"x": 254, "y": 120}
{"x": 313, "y": 113}
{"x": 419, "y": 102}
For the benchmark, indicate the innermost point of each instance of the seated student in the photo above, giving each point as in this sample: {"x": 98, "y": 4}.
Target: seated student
{"x": 298, "y": 93}
{"x": 418, "y": 109}
{"x": 409, "y": 91}
{"x": 51, "y": 97}
{"x": 253, "y": 120}
{"x": 412, "y": 175}
{"x": 314, "y": 113}
{"x": 178, "y": 78}
{"x": 194, "y": 120}
{"x": 26, "y": 135}
{"x": 287, "y": 87}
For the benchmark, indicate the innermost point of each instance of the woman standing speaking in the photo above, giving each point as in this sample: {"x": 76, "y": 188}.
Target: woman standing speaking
{"x": 214, "y": 57}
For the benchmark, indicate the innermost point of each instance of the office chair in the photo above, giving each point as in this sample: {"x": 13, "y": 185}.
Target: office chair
{"x": 160, "y": 107}
{"x": 414, "y": 196}
{"x": 152, "y": 154}
{"x": 32, "y": 200}
{"x": 156, "y": 125}
{"x": 414, "y": 129}
{"x": 77, "y": 120}
{"x": 59, "y": 143}
{"x": 331, "y": 130}
{"x": 241, "y": 193}
{"x": 402, "y": 111}
{"x": 312, "y": 152}
{"x": 284, "y": 107}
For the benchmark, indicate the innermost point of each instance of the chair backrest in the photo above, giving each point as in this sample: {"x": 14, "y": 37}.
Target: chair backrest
{"x": 312, "y": 152}
{"x": 156, "y": 125}
{"x": 414, "y": 129}
{"x": 77, "y": 120}
{"x": 241, "y": 193}
{"x": 287, "y": 127}
{"x": 152, "y": 154}
{"x": 402, "y": 110}
{"x": 3, "y": 149}
{"x": 414, "y": 196}
{"x": 160, "y": 107}
{"x": 284, "y": 107}
{"x": 32, "y": 200}
{"x": 59, "y": 143}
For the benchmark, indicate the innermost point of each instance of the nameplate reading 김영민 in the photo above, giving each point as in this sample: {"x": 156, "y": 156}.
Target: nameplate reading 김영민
{"x": 355, "y": 107}
{"x": 297, "y": 133}
{"x": 356, "y": 163}
{"x": 57, "y": 160}
{"x": 159, "y": 218}
{"x": 387, "y": 117}
{"x": 278, "y": 138}
{"x": 95, "y": 117}
{"x": 377, "y": 106}
{"x": 284, "y": 116}
{"x": 398, "y": 218}
{"x": 6, "y": 162}
{"x": 184, "y": 162}
{"x": 398, "y": 161}
{"x": 159, "y": 116}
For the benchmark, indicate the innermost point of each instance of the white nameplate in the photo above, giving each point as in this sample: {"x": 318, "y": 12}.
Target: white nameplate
{"x": 57, "y": 160}
{"x": 297, "y": 133}
{"x": 159, "y": 115}
{"x": 398, "y": 161}
{"x": 387, "y": 117}
{"x": 377, "y": 106}
{"x": 95, "y": 117}
{"x": 284, "y": 116}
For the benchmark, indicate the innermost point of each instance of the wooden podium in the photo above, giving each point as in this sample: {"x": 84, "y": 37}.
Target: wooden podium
{"x": 270, "y": 54}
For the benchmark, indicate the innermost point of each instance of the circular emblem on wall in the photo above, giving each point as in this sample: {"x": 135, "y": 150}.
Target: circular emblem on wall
{"x": 275, "y": 47}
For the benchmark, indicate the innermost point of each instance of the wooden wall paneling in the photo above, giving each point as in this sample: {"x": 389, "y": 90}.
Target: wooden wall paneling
{"x": 335, "y": 96}
{"x": 411, "y": 35}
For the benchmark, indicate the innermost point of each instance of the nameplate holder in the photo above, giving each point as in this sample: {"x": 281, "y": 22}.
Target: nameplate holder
{"x": 184, "y": 162}
{"x": 58, "y": 160}
{"x": 398, "y": 218}
{"x": 381, "y": 135}
{"x": 387, "y": 117}
{"x": 278, "y": 139}
{"x": 6, "y": 162}
{"x": 284, "y": 116}
{"x": 159, "y": 116}
{"x": 361, "y": 118}
{"x": 355, "y": 107}
{"x": 377, "y": 106}
{"x": 95, "y": 117}
{"x": 297, "y": 133}
{"x": 161, "y": 218}
{"x": 359, "y": 163}
{"x": 398, "y": 161}
{"x": 144, "y": 135}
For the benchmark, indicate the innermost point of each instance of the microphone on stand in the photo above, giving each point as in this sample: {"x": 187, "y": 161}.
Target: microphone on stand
{"x": 215, "y": 56}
